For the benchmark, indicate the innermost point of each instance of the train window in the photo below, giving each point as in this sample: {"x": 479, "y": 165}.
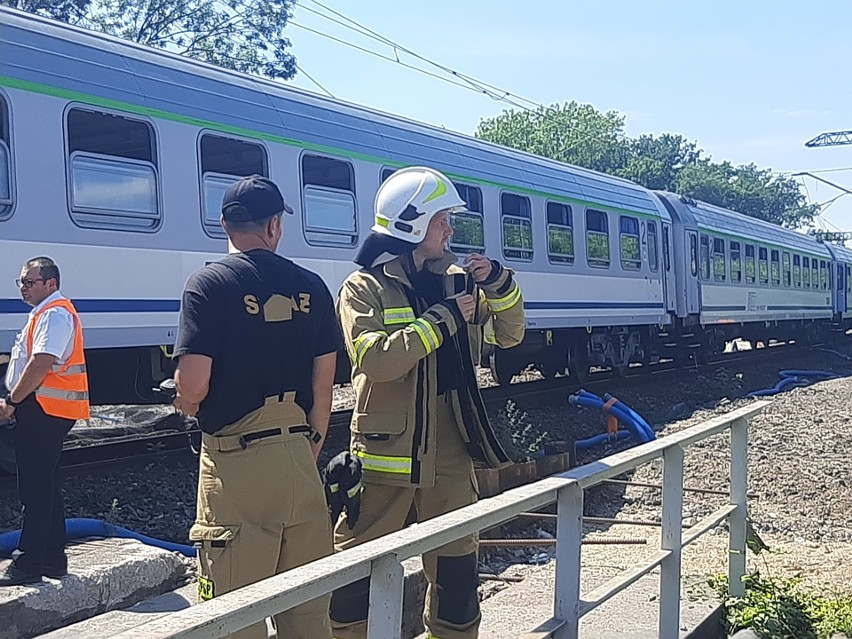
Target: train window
{"x": 517, "y": 226}
{"x": 749, "y": 264}
{"x": 849, "y": 280}
{"x": 223, "y": 161}
{"x": 718, "y": 259}
{"x": 785, "y": 268}
{"x": 762, "y": 266}
{"x": 693, "y": 254}
{"x": 653, "y": 257}
{"x": 839, "y": 281}
{"x": 560, "y": 233}
{"x": 814, "y": 273}
{"x": 775, "y": 268}
{"x": 797, "y": 271}
{"x": 6, "y": 201}
{"x": 736, "y": 263}
{"x": 823, "y": 275}
{"x": 667, "y": 262}
{"x": 628, "y": 237}
{"x": 328, "y": 191}
{"x": 597, "y": 238}
{"x": 468, "y": 226}
{"x": 705, "y": 257}
{"x": 112, "y": 171}
{"x": 806, "y": 272}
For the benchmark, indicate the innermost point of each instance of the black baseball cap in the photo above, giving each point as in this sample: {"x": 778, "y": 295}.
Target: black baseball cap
{"x": 253, "y": 198}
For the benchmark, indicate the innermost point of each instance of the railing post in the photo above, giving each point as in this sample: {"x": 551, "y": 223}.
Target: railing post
{"x": 737, "y": 519}
{"x": 670, "y": 539}
{"x": 569, "y": 534}
{"x": 384, "y": 620}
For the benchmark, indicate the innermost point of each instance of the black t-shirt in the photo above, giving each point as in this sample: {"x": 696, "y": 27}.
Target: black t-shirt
{"x": 263, "y": 320}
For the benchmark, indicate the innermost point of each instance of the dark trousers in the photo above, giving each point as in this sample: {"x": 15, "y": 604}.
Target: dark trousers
{"x": 38, "y": 446}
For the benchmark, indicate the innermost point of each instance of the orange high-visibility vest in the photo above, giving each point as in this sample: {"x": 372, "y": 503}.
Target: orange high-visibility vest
{"x": 65, "y": 389}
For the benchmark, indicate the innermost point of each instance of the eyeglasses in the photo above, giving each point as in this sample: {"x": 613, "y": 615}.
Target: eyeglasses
{"x": 28, "y": 283}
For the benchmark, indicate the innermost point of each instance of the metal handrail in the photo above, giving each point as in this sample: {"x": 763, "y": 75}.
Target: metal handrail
{"x": 381, "y": 559}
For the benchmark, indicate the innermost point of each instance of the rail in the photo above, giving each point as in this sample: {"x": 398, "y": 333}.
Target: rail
{"x": 381, "y": 559}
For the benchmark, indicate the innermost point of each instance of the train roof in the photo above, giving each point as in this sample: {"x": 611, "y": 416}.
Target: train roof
{"x": 54, "y": 58}
{"x": 726, "y": 222}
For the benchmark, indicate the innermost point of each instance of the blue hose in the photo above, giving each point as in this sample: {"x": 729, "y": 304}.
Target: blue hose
{"x": 636, "y": 425}
{"x": 635, "y": 429}
{"x": 79, "y": 528}
{"x": 793, "y": 377}
{"x": 636, "y": 416}
{"x": 623, "y": 413}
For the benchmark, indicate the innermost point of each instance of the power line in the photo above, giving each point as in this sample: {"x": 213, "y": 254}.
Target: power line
{"x": 457, "y": 79}
{"x": 311, "y": 78}
{"x": 364, "y": 30}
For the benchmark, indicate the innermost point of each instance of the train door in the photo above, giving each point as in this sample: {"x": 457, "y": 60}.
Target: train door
{"x": 693, "y": 292}
{"x": 840, "y": 288}
{"x": 669, "y": 285}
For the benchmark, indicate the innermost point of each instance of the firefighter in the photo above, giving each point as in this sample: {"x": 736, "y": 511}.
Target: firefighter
{"x": 413, "y": 323}
{"x": 48, "y": 392}
{"x": 256, "y": 348}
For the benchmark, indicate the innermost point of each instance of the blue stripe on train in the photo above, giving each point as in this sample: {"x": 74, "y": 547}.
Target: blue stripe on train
{"x": 173, "y": 306}
{"x": 102, "y": 306}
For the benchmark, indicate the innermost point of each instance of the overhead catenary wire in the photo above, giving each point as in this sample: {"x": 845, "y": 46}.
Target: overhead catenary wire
{"x": 311, "y": 78}
{"x": 456, "y": 78}
{"x": 356, "y": 26}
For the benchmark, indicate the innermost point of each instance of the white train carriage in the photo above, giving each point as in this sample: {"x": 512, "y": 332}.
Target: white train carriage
{"x": 738, "y": 276}
{"x": 114, "y": 158}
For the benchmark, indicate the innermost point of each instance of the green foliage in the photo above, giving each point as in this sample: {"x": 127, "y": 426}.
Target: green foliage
{"x": 65, "y": 10}
{"x": 579, "y": 134}
{"x": 114, "y": 512}
{"x": 777, "y": 608}
{"x": 571, "y": 132}
{"x": 244, "y": 35}
{"x": 519, "y": 437}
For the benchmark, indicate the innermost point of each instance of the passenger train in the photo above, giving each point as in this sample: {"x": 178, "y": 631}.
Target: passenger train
{"x": 114, "y": 158}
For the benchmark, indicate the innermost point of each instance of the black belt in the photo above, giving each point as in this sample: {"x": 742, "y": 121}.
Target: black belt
{"x": 245, "y": 440}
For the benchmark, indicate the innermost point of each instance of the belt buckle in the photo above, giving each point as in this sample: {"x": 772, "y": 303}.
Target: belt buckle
{"x": 243, "y": 442}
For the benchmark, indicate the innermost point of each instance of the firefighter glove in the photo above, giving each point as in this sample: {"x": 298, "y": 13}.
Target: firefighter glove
{"x": 342, "y": 480}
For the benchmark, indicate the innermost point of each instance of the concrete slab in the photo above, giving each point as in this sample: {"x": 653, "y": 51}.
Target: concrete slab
{"x": 103, "y": 575}
{"x": 632, "y": 614}
{"x": 110, "y": 623}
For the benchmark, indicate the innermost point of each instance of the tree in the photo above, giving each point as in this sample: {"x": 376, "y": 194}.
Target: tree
{"x": 654, "y": 162}
{"x": 749, "y": 190}
{"x": 65, "y": 10}
{"x": 244, "y": 35}
{"x": 578, "y": 134}
{"x": 571, "y": 132}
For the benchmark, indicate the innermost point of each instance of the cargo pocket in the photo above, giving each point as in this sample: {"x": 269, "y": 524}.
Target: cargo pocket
{"x": 218, "y": 556}
{"x": 379, "y": 426}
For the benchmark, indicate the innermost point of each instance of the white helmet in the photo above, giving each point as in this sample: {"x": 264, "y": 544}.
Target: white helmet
{"x": 410, "y": 198}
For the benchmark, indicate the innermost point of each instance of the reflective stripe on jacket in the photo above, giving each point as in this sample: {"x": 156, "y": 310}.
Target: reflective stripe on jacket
{"x": 65, "y": 389}
{"x": 391, "y": 338}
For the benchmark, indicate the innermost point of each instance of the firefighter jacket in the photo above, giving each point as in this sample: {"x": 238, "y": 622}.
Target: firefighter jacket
{"x": 391, "y": 337}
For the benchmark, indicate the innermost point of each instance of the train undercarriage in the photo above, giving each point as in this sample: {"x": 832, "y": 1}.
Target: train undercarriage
{"x": 575, "y": 352}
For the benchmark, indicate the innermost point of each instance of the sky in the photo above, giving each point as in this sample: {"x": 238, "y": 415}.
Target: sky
{"x": 749, "y": 81}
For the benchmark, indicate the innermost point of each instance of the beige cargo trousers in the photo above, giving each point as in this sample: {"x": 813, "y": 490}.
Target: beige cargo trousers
{"x": 452, "y": 600}
{"x": 261, "y": 510}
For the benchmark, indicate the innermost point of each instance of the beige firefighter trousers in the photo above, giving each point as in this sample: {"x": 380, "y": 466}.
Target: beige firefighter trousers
{"x": 386, "y": 509}
{"x": 261, "y": 511}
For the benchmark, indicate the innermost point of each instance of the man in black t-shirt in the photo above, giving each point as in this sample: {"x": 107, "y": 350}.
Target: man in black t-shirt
{"x": 256, "y": 350}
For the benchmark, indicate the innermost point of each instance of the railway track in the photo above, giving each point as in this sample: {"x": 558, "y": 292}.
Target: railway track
{"x": 166, "y": 441}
